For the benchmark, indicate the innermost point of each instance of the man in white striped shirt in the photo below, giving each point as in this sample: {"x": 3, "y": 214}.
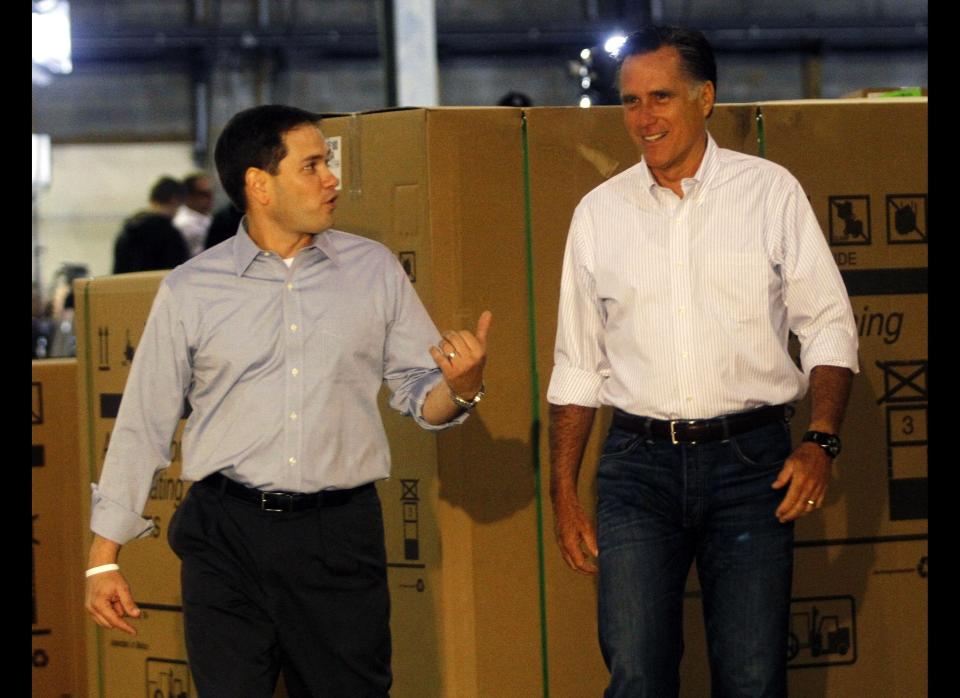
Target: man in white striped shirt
{"x": 682, "y": 278}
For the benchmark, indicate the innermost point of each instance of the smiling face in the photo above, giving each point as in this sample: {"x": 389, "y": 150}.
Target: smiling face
{"x": 303, "y": 193}
{"x": 665, "y": 112}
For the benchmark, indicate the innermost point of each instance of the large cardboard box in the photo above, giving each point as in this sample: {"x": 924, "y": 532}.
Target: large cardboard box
{"x": 869, "y": 542}
{"x": 110, "y": 317}
{"x": 57, "y": 562}
{"x": 570, "y": 152}
{"x": 444, "y": 189}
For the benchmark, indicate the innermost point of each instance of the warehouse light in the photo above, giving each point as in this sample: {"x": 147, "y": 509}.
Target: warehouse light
{"x": 51, "y": 35}
{"x": 585, "y": 101}
{"x": 613, "y": 44}
{"x": 585, "y": 54}
{"x": 41, "y": 161}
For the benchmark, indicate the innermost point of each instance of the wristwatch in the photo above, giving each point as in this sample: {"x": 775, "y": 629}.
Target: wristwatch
{"x": 828, "y": 442}
{"x": 467, "y": 405}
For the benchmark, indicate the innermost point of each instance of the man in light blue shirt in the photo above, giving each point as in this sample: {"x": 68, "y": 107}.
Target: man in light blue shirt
{"x": 279, "y": 338}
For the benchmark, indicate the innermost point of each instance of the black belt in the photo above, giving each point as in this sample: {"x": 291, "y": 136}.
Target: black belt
{"x": 698, "y": 431}
{"x": 282, "y": 501}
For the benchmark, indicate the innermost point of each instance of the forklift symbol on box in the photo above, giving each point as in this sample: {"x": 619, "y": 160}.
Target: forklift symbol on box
{"x": 849, "y": 220}
{"x": 168, "y": 678}
{"x": 822, "y": 632}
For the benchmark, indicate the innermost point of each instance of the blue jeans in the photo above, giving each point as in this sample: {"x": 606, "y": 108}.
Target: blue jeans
{"x": 660, "y": 507}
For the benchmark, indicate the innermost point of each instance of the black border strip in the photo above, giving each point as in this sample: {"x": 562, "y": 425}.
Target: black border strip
{"x": 860, "y": 541}
{"x": 885, "y": 282}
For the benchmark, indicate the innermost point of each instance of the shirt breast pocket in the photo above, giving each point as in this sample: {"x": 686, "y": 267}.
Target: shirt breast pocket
{"x": 735, "y": 286}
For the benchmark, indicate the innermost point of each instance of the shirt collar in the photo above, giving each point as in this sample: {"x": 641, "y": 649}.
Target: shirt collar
{"x": 708, "y": 166}
{"x": 245, "y": 250}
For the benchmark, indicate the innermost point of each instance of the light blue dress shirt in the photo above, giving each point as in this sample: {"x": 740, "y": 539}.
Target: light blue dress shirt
{"x": 281, "y": 368}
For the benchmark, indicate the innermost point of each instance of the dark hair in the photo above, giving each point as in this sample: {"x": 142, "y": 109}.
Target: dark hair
{"x": 166, "y": 190}
{"x": 190, "y": 181}
{"x": 696, "y": 55}
{"x": 254, "y": 138}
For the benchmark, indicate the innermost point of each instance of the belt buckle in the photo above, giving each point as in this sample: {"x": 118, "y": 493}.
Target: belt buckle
{"x": 673, "y": 431}
{"x": 282, "y": 496}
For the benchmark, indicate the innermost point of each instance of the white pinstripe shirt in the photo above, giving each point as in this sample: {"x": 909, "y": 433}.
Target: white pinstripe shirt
{"x": 680, "y": 308}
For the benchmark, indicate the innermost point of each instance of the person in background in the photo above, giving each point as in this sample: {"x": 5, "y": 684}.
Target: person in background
{"x": 148, "y": 239}
{"x": 682, "y": 279}
{"x": 224, "y": 225}
{"x": 193, "y": 217}
{"x": 280, "y": 339}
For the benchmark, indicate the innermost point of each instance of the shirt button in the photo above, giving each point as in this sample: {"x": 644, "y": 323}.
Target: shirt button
{"x": 289, "y": 287}
{"x": 689, "y": 399}
{"x": 292, "y": 461}
{"x": 295, "y": 371}
{"x": 293, "y": 328}
{"x": 266, "y": 254}
{"x": 293, "y": 415}
{"x": 681, "y": 309}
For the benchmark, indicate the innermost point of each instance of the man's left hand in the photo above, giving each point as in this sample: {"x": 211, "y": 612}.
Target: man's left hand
{"x": 808, "y": 472}
{"x": 461, "y": 356}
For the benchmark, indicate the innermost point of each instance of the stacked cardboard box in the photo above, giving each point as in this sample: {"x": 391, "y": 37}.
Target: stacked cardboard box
{"x": 111, "y": 313}
{"x": 861, "y": 561}
{"x": 476, "y": 204}
{"x": 57, "y": 599}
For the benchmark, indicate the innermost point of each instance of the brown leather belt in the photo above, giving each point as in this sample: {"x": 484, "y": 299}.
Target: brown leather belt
{"x": 698, "y": 431}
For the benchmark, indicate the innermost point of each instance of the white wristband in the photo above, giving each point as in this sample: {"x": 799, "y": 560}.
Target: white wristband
{"x": 102, "y": 568}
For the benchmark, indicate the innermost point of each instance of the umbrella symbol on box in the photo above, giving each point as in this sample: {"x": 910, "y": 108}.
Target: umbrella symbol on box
{"x": 906, "y": 219}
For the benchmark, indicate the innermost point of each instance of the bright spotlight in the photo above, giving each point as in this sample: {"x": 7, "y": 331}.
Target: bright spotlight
{"x": 613, "y": 44}
{"x": 585, "y": 101}
{"x": 585, "y": 54}
{"x": 51, "y": 36}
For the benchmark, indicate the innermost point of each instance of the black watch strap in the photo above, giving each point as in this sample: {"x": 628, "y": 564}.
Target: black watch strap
{"x": 828, "y": 442}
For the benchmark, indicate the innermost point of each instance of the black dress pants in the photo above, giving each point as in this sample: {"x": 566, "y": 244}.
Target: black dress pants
{"x": 300, "y": 592}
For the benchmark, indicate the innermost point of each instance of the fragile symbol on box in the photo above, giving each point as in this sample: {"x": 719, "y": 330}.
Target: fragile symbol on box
{"x": 823, "y": 631}
{"x": 906, "y": 219}
{"x": 850, "y": 220}
{"x": 410, "y": 501}
{"x": 168, "y": 678}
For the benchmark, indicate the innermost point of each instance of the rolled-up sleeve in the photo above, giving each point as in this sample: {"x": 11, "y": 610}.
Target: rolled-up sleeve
{"x": 816, "y": 298}
{"x": 579, "y": 361}
{"x": 408, "y": 369}
{"x": 150, "y": 410}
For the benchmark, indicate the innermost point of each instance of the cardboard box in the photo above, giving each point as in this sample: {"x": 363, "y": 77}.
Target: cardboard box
{"x": 110, "y": 317}
{"x": 565, "y": 146}
{"x": 476, "y": 203}
{"x": 57, "y": 562}
{"x": 443, "y": 188}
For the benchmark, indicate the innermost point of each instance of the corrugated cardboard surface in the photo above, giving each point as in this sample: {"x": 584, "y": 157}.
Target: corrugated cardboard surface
{"x": 836, "y": 149}
{"x": 111, "y": 314}
{"x": 57, "y": 604}
{"x": 443, "y": 188}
